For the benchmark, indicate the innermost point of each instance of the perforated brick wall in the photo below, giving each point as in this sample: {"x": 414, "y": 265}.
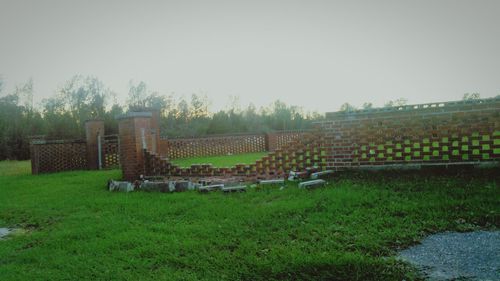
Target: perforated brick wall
{"x": 430, "y": 134}
{"x": 111, "y": 152}
{"x": 56, "y": 156}
{"x": 213, "y": 145}
{"x": 225, "y": 144}
{"x": 295, "y": 155}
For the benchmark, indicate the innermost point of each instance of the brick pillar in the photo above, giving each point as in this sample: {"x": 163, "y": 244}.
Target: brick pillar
{"x": 271, "y": 141}
{"x": 93, "y": 128}
{"x": 134, "y": 131}
{"x": 155, "y": 131}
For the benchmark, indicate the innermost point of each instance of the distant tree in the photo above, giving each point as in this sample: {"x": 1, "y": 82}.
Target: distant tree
{"x": 137, "y": 96}
{"x": 347, "y": 107}
{"x": 18, "y": 121}
{"x": 80, "y": 99}
{"x": 367, "y": 105}
{"x": 471, "y": 96}
{"x": 398, "y": 102}
{"x": 62, "y": 116}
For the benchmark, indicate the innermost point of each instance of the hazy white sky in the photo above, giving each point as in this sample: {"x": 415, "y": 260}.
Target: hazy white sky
{"x": 316, "y": 54}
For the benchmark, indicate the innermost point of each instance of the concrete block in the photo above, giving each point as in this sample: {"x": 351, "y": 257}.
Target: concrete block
{"x": 318, "y": 175}
{"x": 312, "y": 183}
{"x": 274, "y": 181}
{"x": 122, "y": 186}
{"x": 208, "y": 188}
{"x": 237, "y": 188}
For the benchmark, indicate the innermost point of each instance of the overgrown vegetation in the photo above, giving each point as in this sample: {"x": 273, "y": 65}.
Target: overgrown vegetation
{"x": 63, "y": 116}
{"x": 349, "y": 230}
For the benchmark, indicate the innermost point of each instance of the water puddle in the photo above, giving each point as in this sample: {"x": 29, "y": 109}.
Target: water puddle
{"x": 4, "y": 231}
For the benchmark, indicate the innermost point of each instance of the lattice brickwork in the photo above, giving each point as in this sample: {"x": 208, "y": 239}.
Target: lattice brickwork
{"x": 440, "y": 134}
{"x": 111, "y": 152}
{"x": 283, "y": 138}
{"x": 296, "y": 155}
{"x": 55, "y": 156}
{"x": 217, "y": 145}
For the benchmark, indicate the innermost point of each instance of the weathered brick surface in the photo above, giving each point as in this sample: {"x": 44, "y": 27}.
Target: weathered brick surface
{"x": 295, "y": 155}
{"x": 58, "y": 155}
{"x": 111, "y": 152}
{"x": 134, "y": 130}
{"x": 437, "y": 134}
{"x": 225, "y": 144}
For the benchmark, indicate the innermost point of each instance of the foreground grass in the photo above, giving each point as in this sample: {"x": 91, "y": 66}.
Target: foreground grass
{"x": 347, "y": 231}
{"x": 221, "y": 161}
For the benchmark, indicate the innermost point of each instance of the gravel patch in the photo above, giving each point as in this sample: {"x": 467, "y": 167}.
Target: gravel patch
{"x": 457, "y": 256}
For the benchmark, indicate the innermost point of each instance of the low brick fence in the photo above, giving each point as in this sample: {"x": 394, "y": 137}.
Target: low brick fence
{"x": 212, "y": 145}
{"x": 96, "y": 151}
{"x": 58, "y": 155}
{"x": 296, "y": 154}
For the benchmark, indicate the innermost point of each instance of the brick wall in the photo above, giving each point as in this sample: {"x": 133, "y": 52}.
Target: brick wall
{"x": 111, "y": 152}
{"x": 58, "y": 155}
{"x": 225, "y": 144}
{"x": 297, "y": 154}
{"x": 429, "y": 134}
{"x": 66, "y": 155}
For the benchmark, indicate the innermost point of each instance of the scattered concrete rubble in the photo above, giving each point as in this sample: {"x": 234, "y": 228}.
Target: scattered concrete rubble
{"x": 208, "y": 188}
{"x": 237, "y": 188}
{"x": 318, "y": 175}
{"x": 312, "y": 183}
{"x": 224, "y": 184}
{"x": 157, "y": 186}
{"x": 294, "y": 176}
{"x": 123, "y": 186}
{"x": 271, "y": 182}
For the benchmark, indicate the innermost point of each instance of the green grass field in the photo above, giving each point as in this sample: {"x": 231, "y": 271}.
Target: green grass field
{"x": 221, "y": 161}
{"x": 350, "y": 230}
{"x": 15, "y": 168}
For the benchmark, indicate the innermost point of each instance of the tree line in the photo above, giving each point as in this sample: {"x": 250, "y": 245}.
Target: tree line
{"x": 63, "y": 115}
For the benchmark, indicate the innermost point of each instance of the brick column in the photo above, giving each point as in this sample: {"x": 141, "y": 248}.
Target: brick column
{"x": 155, "y": 131}
{"x": 93, "y": 128}
{"x": 271, "y": 141}
{"x": 134, "y": 131}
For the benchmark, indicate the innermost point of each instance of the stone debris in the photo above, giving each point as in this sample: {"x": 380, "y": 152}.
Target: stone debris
{"x": 184, "y": 185}
{"x": 318, "y": 175}
{"x": 123, "y": 186}
{"x": 157, "y": 186}
{"x": 293, "y": 176}
{"x": 312, "y": 184}
{"x": 236, "y": 188}
{"x": 270, "y": 182}
{"x": 4, "y": 231}
{"x": 208, "y": 188}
